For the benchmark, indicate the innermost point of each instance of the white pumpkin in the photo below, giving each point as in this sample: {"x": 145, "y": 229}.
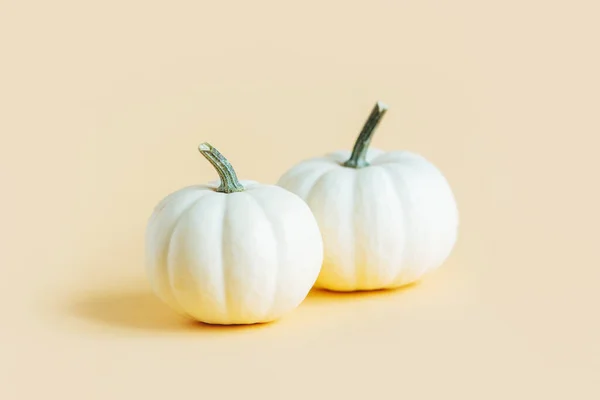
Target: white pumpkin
{"x": 386, "y": 218}
{"x": 238, "y": 253}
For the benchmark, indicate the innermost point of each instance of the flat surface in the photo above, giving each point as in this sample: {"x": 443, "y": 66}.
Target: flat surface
{"x": 103, "y": 105}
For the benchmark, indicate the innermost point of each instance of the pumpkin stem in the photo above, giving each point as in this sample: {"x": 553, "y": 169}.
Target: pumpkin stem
{"x": 229, "y": 180}
{"x": 358, "y": 159}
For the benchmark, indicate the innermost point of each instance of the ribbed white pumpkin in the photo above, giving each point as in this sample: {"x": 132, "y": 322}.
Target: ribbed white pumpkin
{"x": 244, "y": 254}
{"x": 386, "y": 218}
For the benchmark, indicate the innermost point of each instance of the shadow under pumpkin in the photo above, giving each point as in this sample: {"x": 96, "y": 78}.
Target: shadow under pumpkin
{"x": 140, "y": 309}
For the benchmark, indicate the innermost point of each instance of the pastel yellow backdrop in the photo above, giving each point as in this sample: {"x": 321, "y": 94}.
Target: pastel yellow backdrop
{"x": 103, "y": 105}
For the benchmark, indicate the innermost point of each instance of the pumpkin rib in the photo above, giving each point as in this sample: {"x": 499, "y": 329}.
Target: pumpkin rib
{"x": 412, "y": 235}
{"x": 359, "y": 271}
{"x": 308, "y": 200}
{"x": 193, "y": 203}
{"x": 160, "y": 275}
{"x": 278, "y": 243}
{"x": 225, "y": 265}
{"x": 202, "y": 254}
{"x": 310, "y": 193}
{"x": 164, "y": 203}
{"x": 316, "y": 183}
{"x": 406, "y": 262}
{"x": 302, "y": 169}
{"x": 405, "y": 214}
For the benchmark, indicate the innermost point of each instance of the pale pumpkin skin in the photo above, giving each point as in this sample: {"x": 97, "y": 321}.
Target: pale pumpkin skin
{"x": 247, "y": 256}
{"x": 385, "y": 224}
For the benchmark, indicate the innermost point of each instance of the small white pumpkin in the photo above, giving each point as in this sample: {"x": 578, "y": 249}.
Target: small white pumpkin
{"x": 386, "y": 218}
{"x": 238, "y": 253}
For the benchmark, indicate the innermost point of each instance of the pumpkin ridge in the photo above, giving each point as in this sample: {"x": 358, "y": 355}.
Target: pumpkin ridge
{"x": 310, "y": 193}
{"x": 179, "y": 218}
{"x": 316, "y": 183}
{"x": 224, "y": 265}
{"x": 288, "y": 179}
{"x": 407, "y": 219}
{"x": 359, "y": 269}
{"x": 168, "y": 199}
{"x": 276, "y": 236}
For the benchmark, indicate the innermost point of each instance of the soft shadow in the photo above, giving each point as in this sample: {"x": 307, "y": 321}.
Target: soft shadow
{"x": 328, "y": 296}
{"x": 139, "y": 309}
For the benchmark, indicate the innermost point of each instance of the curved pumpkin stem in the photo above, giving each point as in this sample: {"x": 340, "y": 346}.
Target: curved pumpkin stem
{"x": 358, "y": 159}
{"x": 229, "y": 180}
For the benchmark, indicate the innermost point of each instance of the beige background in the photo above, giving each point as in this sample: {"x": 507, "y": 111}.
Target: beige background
{"x": 103, "y": 104}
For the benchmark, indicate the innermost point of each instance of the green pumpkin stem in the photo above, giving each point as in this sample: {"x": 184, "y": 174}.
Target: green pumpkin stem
{"x": 229, "y": 180}
{"x": 358, "y": 159}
